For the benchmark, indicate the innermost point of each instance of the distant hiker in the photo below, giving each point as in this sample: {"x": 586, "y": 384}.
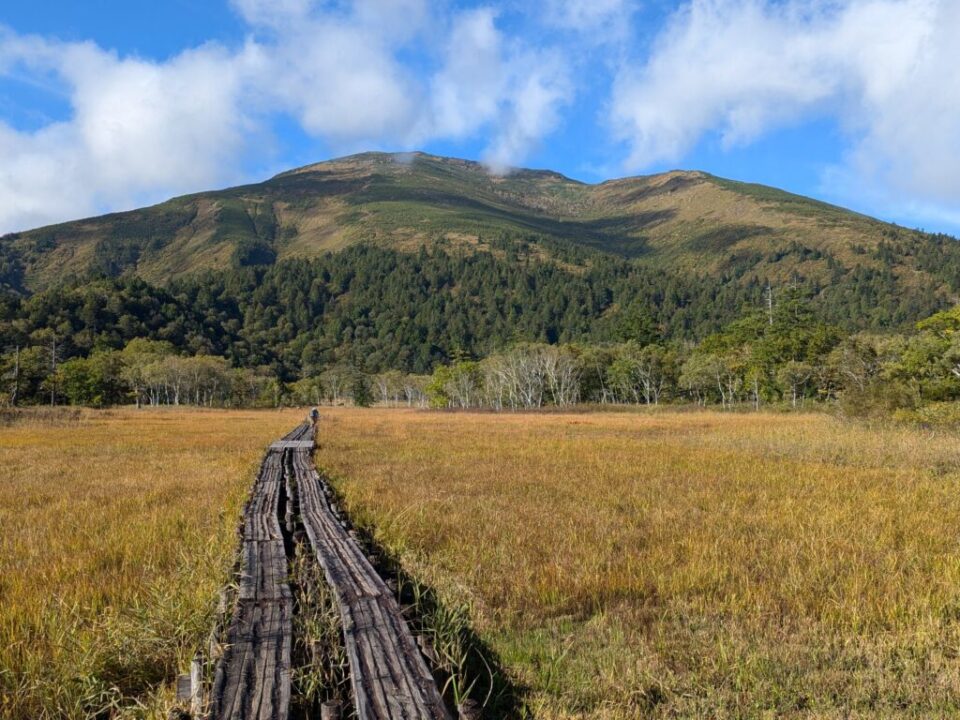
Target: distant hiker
{"x": 314, "y": 417}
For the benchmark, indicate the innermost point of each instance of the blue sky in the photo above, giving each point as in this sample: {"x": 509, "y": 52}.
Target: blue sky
{"x": 107, "y": 105}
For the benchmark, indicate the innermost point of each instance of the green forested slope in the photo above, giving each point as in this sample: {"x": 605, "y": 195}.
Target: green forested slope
{"x": 381, "y": 265}
{"x": 683, "y": 222}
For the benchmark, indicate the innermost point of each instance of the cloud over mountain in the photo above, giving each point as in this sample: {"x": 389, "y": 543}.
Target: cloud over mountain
{"x": 403, "y": 74}
{"x": 141, "y": 129}
{"x": 884, "y": 70}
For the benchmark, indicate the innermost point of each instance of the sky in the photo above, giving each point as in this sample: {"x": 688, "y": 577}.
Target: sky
{"x": 113, "y": 104}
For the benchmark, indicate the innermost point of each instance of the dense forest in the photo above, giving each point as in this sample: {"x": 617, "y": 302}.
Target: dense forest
{"x": 472, "y": 329}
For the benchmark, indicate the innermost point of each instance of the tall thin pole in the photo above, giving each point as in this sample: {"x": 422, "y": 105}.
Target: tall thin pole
{"x": 53, "y": 371}
{"x": 15, "y": 394}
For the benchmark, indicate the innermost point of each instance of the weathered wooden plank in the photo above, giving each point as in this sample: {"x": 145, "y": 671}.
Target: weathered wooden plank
{"x": 197, "y": 699}
{"x": 330, "y": 711}
{"x": 292, "y": 445}
{"x": 389, "y": 676}
{"x": 252, "y": 679}
{"x": 185, "y": 686}
{"x": 301, "y": 432}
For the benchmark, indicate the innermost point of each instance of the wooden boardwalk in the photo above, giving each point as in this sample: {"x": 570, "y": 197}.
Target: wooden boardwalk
{"x": 389, "y": 676}
{"x": 252, "y": 679}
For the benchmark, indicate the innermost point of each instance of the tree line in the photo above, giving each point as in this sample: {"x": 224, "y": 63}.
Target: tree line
{"x": 779, "y": 354}
{"x": 782, "y": 356}
{"x": 502, "y": 328}
{"x": 153, "y": 373}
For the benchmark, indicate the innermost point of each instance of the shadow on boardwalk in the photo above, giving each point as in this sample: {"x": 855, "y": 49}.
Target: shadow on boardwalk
{"x": 479, "y": 670}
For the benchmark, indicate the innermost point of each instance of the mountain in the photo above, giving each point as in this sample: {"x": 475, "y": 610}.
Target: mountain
{"x": 680, "y": 222}
{"x": 384, "y": 262}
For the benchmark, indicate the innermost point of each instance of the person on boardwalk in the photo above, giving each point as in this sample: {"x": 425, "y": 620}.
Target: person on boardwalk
{"x": 314, "y": 417}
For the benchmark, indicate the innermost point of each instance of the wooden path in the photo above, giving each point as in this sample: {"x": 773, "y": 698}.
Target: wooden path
{"x": 252, "y": 679}
{"x": 388, "y": 674}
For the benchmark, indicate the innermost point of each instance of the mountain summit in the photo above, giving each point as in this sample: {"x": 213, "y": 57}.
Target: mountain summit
{"x": 689, "y": 222}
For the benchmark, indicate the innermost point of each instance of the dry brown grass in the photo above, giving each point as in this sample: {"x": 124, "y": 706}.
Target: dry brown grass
{"x": 116, "y": 530}
{"x": 679, "y": 564}
{"x": 621, "y": 565}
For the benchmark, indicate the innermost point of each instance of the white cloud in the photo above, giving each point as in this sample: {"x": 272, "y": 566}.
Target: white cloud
{"x": 335, "y": 68}
{"x": 146, "y": 124}
{"x": 395, "y": 20}
{"x": 339, "y": 82}
{"x": 911, "y": 113}
{"x": 356, "y": 74}
{"x": 601, "y": 18}
{"x": 884, "y": 69}
{"x": 273, "y": 13}
{"x": 489, "y": 81}
{"x": 136, "y": 126}
{"x": 467, "y": 91}
{"x": 533, "y": 109}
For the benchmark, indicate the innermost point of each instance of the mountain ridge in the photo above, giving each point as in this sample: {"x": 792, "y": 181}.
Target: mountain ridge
{"x": 685, "y": 221}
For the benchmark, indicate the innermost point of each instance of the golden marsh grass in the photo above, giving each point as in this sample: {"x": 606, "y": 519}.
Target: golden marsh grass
{"x": 116, "y": 531}
{"x": 674, "y": 564}
{"x": 678, "y": 564}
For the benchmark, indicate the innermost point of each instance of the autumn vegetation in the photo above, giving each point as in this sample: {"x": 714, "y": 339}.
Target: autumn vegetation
{"x": 661, "y": 447}
{"x": 667, "y": 564}
{"x": 118, "y": 529}
{"x": 651, "y": 562}
{"x": 781, "y": 355}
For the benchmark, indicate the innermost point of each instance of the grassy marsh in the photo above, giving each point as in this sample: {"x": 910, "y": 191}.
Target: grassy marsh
{"x": 673, "y": 564}
{"x": 678, "y": 564}
{"x": 116, "y": 532}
